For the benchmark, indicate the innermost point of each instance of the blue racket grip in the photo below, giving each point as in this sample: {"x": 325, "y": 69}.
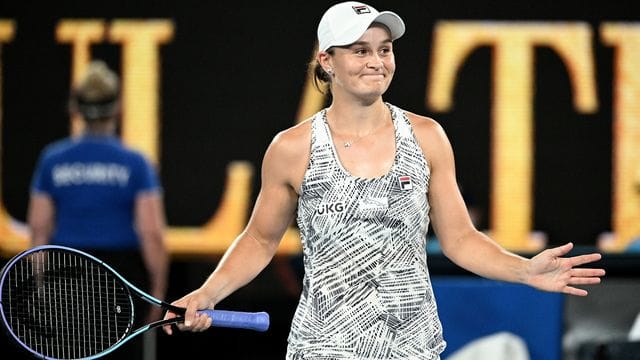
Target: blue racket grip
{"x": 258, "y": 321}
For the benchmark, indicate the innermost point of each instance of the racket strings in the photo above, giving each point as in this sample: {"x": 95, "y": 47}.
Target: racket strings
{"x": 63, "y": 305}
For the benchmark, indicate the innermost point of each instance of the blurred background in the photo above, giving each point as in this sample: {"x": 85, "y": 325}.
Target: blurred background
{"x": 540, "y": 99}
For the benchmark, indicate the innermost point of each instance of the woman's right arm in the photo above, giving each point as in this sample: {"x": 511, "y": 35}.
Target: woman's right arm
{"x": 254, "y": 248}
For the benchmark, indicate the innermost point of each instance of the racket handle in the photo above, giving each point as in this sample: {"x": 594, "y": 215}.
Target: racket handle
{"x": 258, "y": 321}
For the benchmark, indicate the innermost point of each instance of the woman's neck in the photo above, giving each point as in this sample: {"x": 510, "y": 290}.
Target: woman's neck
{"x": 100, "y": 128}
{"x": 358, "y": 119}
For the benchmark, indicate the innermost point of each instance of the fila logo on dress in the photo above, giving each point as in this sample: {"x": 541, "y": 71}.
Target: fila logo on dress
{"x": 405, "y": 182}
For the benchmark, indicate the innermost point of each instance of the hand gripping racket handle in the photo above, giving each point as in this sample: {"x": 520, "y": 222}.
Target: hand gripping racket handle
{"x": 258, "y": 321}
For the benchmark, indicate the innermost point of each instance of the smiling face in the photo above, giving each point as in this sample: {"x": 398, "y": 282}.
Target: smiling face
{"x": 363, "y": 69}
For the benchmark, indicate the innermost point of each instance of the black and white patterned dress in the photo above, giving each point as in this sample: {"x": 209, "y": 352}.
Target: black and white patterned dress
{"x": 366, "y": 292}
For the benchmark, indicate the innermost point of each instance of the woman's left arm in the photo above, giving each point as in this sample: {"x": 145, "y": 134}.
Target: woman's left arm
{"x": 473, "y": 250}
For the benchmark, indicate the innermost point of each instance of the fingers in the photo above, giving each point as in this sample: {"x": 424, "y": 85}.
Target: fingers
{"x": 585, "y": 276}
{"x": 199, "y": 323}
{"x": 584, "y": 272}
{"x": 193, "y": 320}
{"x": 582, "y": 277}
{"x": 203, "y": 322}
{"x": 190, "y": 305}
{"x": 570, "y": 290}
{"x": 190, "y": 314}
{"x": 584, "y": 259}
{"x": 167, "y": 328}
{"x": 585, "y": 281}
{"x": 561, "y": 250}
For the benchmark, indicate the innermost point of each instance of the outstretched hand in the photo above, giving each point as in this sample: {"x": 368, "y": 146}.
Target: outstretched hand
{"x": 549, "y": 271}
{"x": 195, "y": 322}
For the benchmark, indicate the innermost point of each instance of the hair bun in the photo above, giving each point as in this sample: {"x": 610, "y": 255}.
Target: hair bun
{"x": 99, "y": 84}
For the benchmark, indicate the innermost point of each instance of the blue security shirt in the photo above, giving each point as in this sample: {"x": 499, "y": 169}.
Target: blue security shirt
{"x": 93, "y": 182}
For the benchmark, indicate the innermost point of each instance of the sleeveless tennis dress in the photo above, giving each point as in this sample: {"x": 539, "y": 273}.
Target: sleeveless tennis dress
{"x": 366, "y": 291}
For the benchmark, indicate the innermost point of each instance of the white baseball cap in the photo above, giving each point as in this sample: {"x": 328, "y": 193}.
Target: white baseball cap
{"x": 344, "y": 23}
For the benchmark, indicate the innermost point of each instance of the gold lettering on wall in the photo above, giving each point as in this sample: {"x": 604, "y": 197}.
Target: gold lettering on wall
{"x": 228, "y": 221}
{"x": 625, "y": 38}
{"x": 140, "y": 40}
{"x": 512, "y": 101}
{"x": 512, "y": 145}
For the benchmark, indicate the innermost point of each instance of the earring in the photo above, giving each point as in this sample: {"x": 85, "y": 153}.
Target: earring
{"x": 329, "y": 71}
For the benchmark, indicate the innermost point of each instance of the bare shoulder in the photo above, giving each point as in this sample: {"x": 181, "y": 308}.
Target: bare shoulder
{"x": 427, "y": 130}
{"x": 293, "y": 141}
{"x": 431, "y": 137}
{"x": 288, "y": 154}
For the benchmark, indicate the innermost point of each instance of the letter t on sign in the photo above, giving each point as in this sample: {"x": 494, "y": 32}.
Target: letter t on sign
{"x": 512, "y": 114}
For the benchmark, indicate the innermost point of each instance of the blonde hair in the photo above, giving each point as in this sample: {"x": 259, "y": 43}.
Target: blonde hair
{"x": 96, "y": 96}
{"x": 99, "y": 83}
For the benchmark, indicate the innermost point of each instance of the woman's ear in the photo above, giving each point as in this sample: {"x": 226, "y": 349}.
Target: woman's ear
{"x": 324, "y": 59}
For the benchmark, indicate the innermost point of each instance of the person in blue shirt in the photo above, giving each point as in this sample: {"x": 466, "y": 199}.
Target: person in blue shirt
{"x": 93, "y": 193}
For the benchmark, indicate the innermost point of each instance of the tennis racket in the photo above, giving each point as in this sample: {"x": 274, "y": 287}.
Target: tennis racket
{"x": 61, "y": 303}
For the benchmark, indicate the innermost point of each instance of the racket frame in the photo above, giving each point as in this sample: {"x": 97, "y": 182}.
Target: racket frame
{"x": 131, "y": 290}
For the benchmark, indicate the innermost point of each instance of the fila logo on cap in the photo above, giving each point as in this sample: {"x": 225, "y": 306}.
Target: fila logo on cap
{"x": 405, "y": 182}
{"x": 361, "y": 9}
